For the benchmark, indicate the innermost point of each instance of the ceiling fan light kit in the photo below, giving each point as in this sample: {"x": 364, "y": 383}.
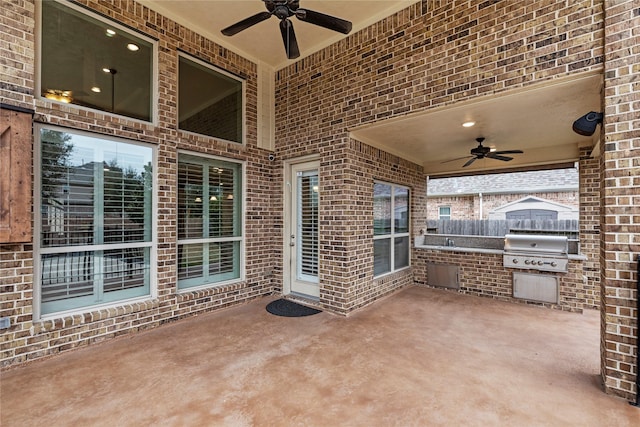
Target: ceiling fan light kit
{"x": 283, "y": 10}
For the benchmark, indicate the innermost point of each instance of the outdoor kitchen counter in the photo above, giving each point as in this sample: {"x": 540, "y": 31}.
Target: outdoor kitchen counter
{"x": 577, "y": 257}
{"x": 481, "y": 271}
{"x": 490, "y": 241}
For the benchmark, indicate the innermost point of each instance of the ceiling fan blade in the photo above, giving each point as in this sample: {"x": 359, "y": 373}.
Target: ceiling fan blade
{"x": 469, "y": 162}
{"x": 499, "y": 157}
{"x": 289, "y": 39}
{"x": 246, "y": 23}
{"x": 456, "y": 159}
{"x": 322, "y": 20}
{"x": 508, "y": 152}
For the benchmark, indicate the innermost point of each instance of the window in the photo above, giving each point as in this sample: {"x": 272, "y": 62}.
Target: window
{"x": 444, "y": 212}
{"x": 95, "y": 220}
{"x": 209, "y": 221}
{"x": 210, "y": 101}
{"x": 390, "y": 228}
{"x": 90, "y": 61}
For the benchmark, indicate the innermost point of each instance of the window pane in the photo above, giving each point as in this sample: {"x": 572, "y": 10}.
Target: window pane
{"x": 87, "y": 62}
{"x": 400, "y": 252}
{"x": 401, "y": 210}
{"x": 190, "y": 200}
{"x": 381, "y": 256}
{"x": 94, "y": 191}
{"x": 381, "y": 209}
{"x": 81, "y": 279}
{"x": 224, "y": 199}
{"x": 190, "y": 261}
{"x": 224, "y": 260}
{"x": 209, "y": 102}
{"x": 210, "y": 211}
{"x": 444, "y": 212}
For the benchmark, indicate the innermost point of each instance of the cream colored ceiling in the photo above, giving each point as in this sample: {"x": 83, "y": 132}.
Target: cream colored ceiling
{"x": 263, "y": 42}
{"x": 537, "y": 121}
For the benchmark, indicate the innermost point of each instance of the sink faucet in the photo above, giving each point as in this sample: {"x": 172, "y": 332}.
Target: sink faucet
{"x": 449, "y": 242}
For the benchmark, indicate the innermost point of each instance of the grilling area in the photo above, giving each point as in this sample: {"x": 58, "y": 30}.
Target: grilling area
{"x": 529, "y": 266}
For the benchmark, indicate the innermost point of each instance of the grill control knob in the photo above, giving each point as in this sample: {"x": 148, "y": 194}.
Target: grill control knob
{"x": 526, "y": 261}
{"x": 515, "y": 261}
{"x": 540, "y": 262}
{"x": 554, "y": 264}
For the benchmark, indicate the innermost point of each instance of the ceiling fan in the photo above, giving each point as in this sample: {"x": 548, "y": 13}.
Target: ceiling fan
{"x": 285, "y": 9}
{"x": 481, "y": 152}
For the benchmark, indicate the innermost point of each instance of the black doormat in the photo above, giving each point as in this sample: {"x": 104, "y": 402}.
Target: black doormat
{"x": 286, "y": 308}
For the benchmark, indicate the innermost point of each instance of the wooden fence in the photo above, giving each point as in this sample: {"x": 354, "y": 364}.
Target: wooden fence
{"x": 500, "y": 227}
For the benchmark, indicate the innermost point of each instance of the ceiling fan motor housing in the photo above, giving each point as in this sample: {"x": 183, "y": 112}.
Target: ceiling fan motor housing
{"x": 480, "y": 150}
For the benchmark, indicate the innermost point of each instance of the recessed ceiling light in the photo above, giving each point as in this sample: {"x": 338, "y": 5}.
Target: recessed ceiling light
{"x": 468, "y": 124}
{"x": 96, "y": 89}
{"x": 106, "y": 70}
{"x": 133, "y": 47}
{"x": 110, "y": 32}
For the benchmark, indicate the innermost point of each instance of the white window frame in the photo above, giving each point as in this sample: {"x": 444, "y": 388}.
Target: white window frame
{"x": 393, "y": 235}
{"x": 224, "y": 73}
{"x": 153, "y": 113}
{"x": 39, "y": 251}
{"x": 241, "y": 239}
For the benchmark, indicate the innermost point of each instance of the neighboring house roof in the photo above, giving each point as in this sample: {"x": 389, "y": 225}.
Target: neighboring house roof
{"x": 554, "y": 180}
{"x": 532, "y": 202}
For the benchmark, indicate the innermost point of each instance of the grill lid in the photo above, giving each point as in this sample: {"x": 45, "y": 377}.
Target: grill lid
{"x": 536, "y": 243}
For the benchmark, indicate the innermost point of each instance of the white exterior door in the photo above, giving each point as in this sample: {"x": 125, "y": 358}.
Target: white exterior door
{"x": 301, "y": 238}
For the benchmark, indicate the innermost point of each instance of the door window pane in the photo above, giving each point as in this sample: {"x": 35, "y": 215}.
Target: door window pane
{"x": 308, "y": 216}
{"x": 95, "y": 63}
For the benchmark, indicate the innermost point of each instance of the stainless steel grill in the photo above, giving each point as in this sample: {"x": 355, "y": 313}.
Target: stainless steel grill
{"x": 536, "y": 252}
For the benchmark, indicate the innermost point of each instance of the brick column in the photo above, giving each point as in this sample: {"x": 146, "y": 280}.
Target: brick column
{"x": 620, "y": 196}
{"x": 589, "y": 195}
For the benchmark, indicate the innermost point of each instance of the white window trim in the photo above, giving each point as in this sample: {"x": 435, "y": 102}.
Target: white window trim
{"x": 38, "y": 251}
{"x": 393, "y": 234}
{"x": 244, "y": 101}
{"x": 115, "y": 24}
{"x": 242, "y": 238}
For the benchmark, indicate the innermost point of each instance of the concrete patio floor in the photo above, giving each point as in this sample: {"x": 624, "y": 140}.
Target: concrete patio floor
{"x": 421, "y": 357}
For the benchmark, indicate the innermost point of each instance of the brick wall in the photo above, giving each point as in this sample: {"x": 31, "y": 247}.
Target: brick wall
{"x": 590, "y": 224}
{"x": 620, "y": 197}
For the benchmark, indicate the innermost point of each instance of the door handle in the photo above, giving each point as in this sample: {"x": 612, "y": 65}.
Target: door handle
{"x": 292, "y": 238}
